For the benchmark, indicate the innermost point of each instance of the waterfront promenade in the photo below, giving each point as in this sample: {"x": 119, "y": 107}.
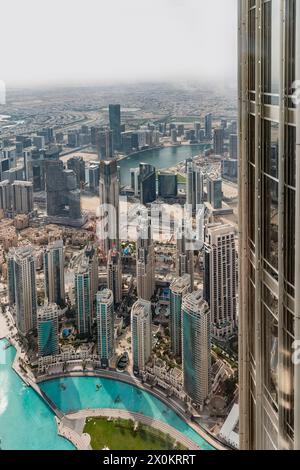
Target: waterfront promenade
{"x": 67, "y": 428}
{"x": 131, "y": 380}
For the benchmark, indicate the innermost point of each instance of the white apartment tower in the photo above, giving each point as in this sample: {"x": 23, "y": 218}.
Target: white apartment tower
{"x": 22, "y": 287}
{"x": 220, "y": 277}
{"x": 141, "y": 329}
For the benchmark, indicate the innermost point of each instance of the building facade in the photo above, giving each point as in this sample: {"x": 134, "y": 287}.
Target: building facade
{"x": 220, "y": 278}
{"x": 108, "y": 230}
{"x": 178, "y": 289}
{"x": 47, "y": 327}
{"x": 194, "y": 186}
{"x": 269, "y": 186}
{"x": 147, "y": 182}
{"x": 22, "y": 197}
{"x": 22, "y": 287}
{"x": 145, "y": 260}
{"x": 105, "y": 326}
{"x": 196, "y": 356}
{"x": 115, "y": 124}
{"x": 214, "y": 192}
{"x": 83, "y": 299}
{"x": 114, "y": 275}
{"x": 54, "y": 268}
{"x": 141, "y": 329}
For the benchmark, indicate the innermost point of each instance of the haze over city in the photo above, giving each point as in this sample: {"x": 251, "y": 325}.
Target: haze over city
{"x": 118, "y": 41}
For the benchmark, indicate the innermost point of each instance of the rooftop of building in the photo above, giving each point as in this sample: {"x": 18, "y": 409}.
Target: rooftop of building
{"x": 105, "y": 296}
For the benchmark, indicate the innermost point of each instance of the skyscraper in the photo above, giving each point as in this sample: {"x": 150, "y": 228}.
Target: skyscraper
{"x": 105, "y": 326}
{"x": 47, "y": 327}
{"x": 115, "y": 124}
{"x": 147, "y": 180}
{"x": 145, "y": 260}
{"x": 185, "y": 254}
{"x": 208, "y": 126}
{"x": 62, "y": 194}
{"x": 90, "y": 257}
{"x": 220, "y": 278}
{"x": 196, "y": 354}
{"x": 22, "y": 197}
{"x": 167, "y": 185}
{"x": 141, "y": 329}
{"x": 178, "y": 289}
{"x": 22, "y": 287}
{"x": 214, "y": 192}
{"x": 114, "y": 275}
{"x": 194, "y": 186}
{"x": 5, "y": 195}
{"x": 219, "y": 141}
{"x": 109, "y": 205}
{"x": 77, "y": 164}
{"x": 269, "y": 244}
{"x": 233, "y": 146}
{"x": 83, "y": 298}
{"x": 54, "y": 265}
{"x": 104, "y": 144}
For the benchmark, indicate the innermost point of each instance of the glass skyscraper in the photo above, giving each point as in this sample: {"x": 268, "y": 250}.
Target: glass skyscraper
{"x": 269, "y": 185}
{"x": 196, "y": 354}
{"x": 47, "y": 326}
{"x": 83, "y": 299}
{"x": 105, "y": 326}
{"x": 115, "y": 124}
{"x": 178, "y": 289}
{"x": 54, "y": 264}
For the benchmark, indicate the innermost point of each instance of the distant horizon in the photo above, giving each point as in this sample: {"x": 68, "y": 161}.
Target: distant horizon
{"x": 176, "y": 83}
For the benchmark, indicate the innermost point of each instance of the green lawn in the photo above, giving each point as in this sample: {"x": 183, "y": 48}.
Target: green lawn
{"x": 181, "y": 179}
{"x": 119, "y": 434}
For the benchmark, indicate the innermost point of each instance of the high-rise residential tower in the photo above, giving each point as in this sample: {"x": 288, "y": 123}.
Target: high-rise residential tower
{"x": 269, "y": 243}
{"x": 219, "y": 141}
{"x": 214, "y": 192}
{"x": 185, "y": 253}
{"x": 90, "y": 257}
{"x": 114, "y": 275}
{"x": 194, "y": 186}
{"x": 104, "y": 144}
{"x": 83, "y": 298}
{"x": 208, "y": 126}
{"x": 22, "y": 197}
{"x": 105, "y": 326}
{"x": 147, "y": 181}
{"x": 108, "y": 232}
{"x": 115, "y": 124}
{"x": 5, "y": 195}
{"x": 220, "y": 278}
{"x": 178, "y": 289}
{"x": 145, "y": 260}
{"x": 54, "y": 264}
{"x": 141, "y": 328}
{"x": 196, "y": 354}
{"x": 47, "y": 327}
{"x": 22, "y": 287}
{"x": 233, "y": 143}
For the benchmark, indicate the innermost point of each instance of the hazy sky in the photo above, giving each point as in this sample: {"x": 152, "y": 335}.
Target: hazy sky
{"x": 117, "y": 40}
